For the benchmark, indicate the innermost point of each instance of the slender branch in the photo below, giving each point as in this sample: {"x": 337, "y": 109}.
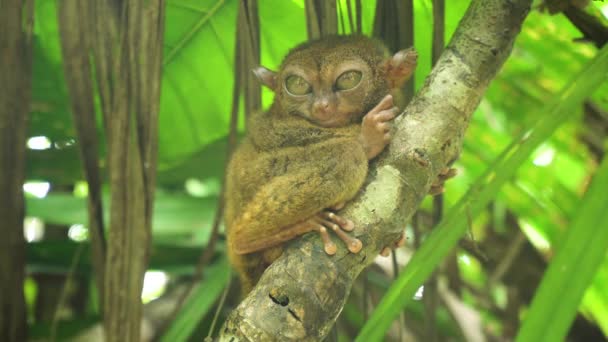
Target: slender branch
{"x": 315, "y": 286}
{"x": 72, "y": 20}
{"x": 431, "y": 294}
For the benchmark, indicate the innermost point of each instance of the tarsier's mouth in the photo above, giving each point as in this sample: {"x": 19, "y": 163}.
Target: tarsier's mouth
{"x": 332, "y": 121}
{"x": 328, "y": 122}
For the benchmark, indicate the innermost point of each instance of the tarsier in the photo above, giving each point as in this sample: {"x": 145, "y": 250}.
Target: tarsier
{"x": 308, "y": 154}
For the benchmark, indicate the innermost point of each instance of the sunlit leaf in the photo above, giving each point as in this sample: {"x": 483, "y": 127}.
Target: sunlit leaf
{"x": 578, "y": 257}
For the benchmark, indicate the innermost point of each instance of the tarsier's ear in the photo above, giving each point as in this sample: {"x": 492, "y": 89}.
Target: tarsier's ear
{"x": 400, "y": 67}
{"x": 266, "y": 77}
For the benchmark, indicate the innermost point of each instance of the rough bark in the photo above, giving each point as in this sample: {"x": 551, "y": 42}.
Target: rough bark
{"x": 16, "y": 17}
{"x": 301, "y": 294}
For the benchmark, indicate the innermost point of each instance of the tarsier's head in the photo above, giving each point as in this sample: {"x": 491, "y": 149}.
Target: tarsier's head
{"x": 334, "y": 81}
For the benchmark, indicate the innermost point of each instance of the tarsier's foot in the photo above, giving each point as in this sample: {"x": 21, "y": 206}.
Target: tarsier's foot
{"x": 437, "y": 186}
{"x": 327, "y": 220}
{"x": 386, "y": 251}
{"x": 376, "y": 126}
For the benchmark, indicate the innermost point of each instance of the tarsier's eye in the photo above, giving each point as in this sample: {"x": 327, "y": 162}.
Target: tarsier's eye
{"x": 296, "y": 85}
{"x": 348, "y": 80}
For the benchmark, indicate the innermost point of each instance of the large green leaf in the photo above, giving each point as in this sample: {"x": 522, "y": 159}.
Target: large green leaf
{"x": 577, "y": 260}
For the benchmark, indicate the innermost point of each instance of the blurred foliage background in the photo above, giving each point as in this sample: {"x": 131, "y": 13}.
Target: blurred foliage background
{"x": 493, "y": 273}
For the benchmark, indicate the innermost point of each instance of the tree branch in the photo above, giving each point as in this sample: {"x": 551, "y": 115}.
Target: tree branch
{"x": 301, "y": 294}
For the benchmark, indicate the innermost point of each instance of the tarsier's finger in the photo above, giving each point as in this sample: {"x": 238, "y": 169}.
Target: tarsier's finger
{"x": 383, "y": 127}
{"x": 401, "y": 241}
{"x": 338, "y": 206}
{"x": 436, "y": 190}
{"x": 447, "y": 173}
{"x": 387, "y": 137}
{"x": 344, "y": 223}
{"x": 354, "y": 245}
{"x": 386, "y": 115}
{"x": 438, "y": 186}
{"x": 328, "y": 245}
{"x": 385, "y": 103}
{"x": 326, "y": 223}
{"x": 407, "y": 57}
{"x": 386, "y": 251}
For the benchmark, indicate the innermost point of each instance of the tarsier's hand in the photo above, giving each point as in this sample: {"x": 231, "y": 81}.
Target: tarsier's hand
{"x": 444, "y": 175}
{"x": 386, "y": 251}
{"x": 375, "y": 129}
{"x": 328, "y": 220}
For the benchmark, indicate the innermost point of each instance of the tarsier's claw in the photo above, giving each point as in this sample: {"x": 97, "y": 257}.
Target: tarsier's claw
{"x": 386, "y": 251}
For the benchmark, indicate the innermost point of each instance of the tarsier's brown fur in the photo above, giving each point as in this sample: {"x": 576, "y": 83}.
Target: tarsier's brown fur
{"x": 308, "y": 154}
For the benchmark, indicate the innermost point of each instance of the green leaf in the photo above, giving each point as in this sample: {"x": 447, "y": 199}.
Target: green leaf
{"x": 446, "y": 235}
{"x": 573, "y": 267}
{"x": 199, "y": 303}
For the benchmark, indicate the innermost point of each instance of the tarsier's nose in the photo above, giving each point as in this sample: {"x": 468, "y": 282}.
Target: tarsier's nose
{"x": 321, "y": 105}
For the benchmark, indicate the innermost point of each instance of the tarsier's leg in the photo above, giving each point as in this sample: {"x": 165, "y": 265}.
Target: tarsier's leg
{"x": 322, "y": 223}
{"x": 282, "y": 209}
